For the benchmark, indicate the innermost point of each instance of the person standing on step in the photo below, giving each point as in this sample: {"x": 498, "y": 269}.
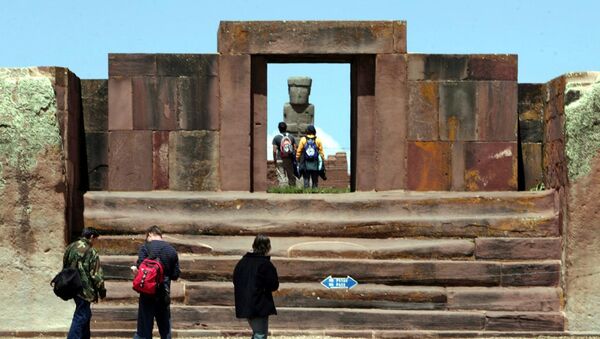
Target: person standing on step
{"x": 254, "y": 280}
{"x": 310, "y": 156}
{"x": 157, "y": 306}
{"x": 284, "y": 151}
{"x": 82, "y": 255}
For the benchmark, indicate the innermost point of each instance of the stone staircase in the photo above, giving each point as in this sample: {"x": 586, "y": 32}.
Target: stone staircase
{"x": 435, "y": 263}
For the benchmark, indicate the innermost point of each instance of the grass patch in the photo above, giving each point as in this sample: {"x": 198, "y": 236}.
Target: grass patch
{"x": 292, "y": 190}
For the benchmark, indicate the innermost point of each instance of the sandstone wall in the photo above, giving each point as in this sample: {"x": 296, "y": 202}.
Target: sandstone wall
{"x": 581, "y": 93}
{"x": 39, "y": 201}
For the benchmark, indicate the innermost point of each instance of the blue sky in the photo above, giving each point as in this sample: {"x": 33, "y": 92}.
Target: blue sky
{"x": 550, "y": 37}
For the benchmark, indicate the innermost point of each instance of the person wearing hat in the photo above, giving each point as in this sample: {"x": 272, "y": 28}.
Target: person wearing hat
{"x": 310, "y": 156}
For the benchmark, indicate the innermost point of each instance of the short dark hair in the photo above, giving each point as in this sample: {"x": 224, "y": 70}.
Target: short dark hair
{"x": 282, "y": 127}
{"x": 261, "y": 245}
{"x": 154, "y": 230}
{"x": 89, "y": 233}
{"x": 310, "y": 129}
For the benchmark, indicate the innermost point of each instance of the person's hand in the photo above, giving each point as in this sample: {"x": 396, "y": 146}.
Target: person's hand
{"x": 134, "y": 269}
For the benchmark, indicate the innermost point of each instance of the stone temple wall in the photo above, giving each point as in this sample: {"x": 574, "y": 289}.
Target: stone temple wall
{"x": 39, "y": 186}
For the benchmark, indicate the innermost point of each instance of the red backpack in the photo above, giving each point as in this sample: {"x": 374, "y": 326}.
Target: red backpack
{"x": 149, "y": 276}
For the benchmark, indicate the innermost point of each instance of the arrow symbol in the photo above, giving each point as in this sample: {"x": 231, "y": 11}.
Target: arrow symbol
{"x": 339, "y": 282}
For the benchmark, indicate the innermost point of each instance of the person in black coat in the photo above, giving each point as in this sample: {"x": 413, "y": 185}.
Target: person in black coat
{"x": 254, "y": 280}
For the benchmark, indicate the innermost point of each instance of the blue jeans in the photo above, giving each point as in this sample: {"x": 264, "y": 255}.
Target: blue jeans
{"x": 80, "y": 326}
{"x": 260, "y": 327}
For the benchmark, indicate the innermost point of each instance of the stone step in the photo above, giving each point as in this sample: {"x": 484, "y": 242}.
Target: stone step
{"x": 223, "y": 317}
{"x": 369, "y": 214}
{"x": 317, "y": 247}
{"x": 207, "y": 293}
{"x": 390, "y": 272}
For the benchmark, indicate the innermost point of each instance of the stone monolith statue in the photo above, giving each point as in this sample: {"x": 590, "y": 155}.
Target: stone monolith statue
{"x": 298, "y": 113}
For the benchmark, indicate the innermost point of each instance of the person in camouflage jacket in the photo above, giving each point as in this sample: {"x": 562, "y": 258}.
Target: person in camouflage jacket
{"x": 85, "y": 258}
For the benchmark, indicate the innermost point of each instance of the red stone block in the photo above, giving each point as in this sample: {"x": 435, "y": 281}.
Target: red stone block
{"x": 423, "y": 110}
{"x": 428, "y": 166}
{"x": 160, "y": 160}
{"x": 496, "y": 111}
{"x": 543, "y": 273}
{"x": 525, "y": 322}
{"x": 493, "y": 67}
{"x": 391, "y": 108}
{"x": 155, "y": 103}
{"x": 518, "y": 248}
{"x": 491, "y": 166}
{"x": 437, "y": 67}
{"x": 130, "y": 161}
{"x": 259, "y": 123}
{"x": 130, "y": 65}
{"x": 198, "y": 103}
{"x": 120, "y": 104}
{"x": 235, "y": 115}
{"x": 365, "y": 123}
{"x": 312, "y": 37}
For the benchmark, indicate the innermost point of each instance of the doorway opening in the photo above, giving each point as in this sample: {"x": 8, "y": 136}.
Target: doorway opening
{"x": 303, "y": 94}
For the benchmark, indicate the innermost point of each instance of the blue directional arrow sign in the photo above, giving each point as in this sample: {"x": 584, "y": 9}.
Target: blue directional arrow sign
{"x": 339, "y": 282}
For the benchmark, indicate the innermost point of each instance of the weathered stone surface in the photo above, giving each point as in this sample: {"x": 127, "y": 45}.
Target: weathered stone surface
{"x": 437, "y": 67}
{"x": 194, "y": 161}
{"x": 496, "y": 110}
{"x": 312, "y": 37}
{"x": 160, "y": 160}
{"x": 518, "y": 248}
{"x": 155, "y": 103}
{"x": 493, "y": 67}
{"x": 33, "y": 191}
{"x": 130, "y": 65}
{"x": 532, "y": 157}
{"x": 259, "y": 125}
{"x": 117, "y": 291}
{"x": 458, "y": 165}
{"x": 391, "y": 109}
{"x": 429, "y": 164}
{"x": 120, "y": 104}
{"x": 94, "y": 99}
{"x": 544, "y": 273}
{"x": 531, "y": 112}
{"x": 190, "y": 65}
{"x": 198, "y": 102}
{"x": 365, "y": 123}
{"x": 457, "y": 111}
{"x": 423, "y": 111}
{"x": 97, "y": 160}
{"x": 530, "y": 299}
{"x": 130, "y": 161}
{"x": 524, "y": 322}
{"x": 235, "y": 113}
{"x": 491, "y": 166}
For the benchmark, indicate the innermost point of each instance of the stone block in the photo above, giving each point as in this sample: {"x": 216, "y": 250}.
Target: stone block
{"x": 198, "y": 103}
{"x": 160, "y": 160}
{"x": 493, "y": 67}
{"x": 155, "y": 103}
{"x": 496, "y": 110}
{"x": 542, "y": 273}
{"x": 518, "y": 248}
{"x": 259, "y": 124}
{"x": 365, "y": 123}
{"x": 531, "y": 131}
{"x": 94, "y": 100}
{"x": 457, "y": 111}
{"x": 130, "y": 161}
{"x": 428, "y": 164}
{"x": 525, "y": 322}
{"x": 190, "y": 65}
{"x": 194, "y": 161}
{"x": 131, "y": 65}
{"x": 311, "y": 37}
{"x": 235, "y": 89}
{"x": 423, "y": 111}
{"x": 97, "y": 160}
{"x": 491, "y": 166}
{"x": 532, "y": 154}
{"x": 528, "y": 299}
{"x": 120, "y": 104}
{"x": 437, "y": 67}
{"x": 458, "y": 165}
{"x": 391, "y": 108}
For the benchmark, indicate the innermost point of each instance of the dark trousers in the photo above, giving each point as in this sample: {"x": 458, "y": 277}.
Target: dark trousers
{"x": 260, "y": 327}
{"x": 311, "y": 176}
{"x": 80, "y": 326}
{"x": 150, "y": 308}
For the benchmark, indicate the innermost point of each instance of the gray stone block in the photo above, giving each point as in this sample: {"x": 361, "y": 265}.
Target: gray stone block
{"x": 194, "y": 161}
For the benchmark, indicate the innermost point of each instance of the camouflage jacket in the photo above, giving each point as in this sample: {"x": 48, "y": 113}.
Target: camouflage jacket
{"x": 88, "y": 264}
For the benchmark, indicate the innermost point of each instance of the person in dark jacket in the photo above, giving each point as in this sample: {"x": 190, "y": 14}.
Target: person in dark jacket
{"x": 254, "y": 280}
{"x": 157, "y": 306}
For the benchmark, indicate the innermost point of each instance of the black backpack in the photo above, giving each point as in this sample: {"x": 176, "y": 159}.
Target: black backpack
{"x": 67, "y": 283}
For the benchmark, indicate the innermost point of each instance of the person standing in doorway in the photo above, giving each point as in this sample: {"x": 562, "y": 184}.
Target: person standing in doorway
{"x": 254, "y": 280}
{"x": 157, "y": 306}
{"x": 82, "y": 255}
{"x": 284, "y": 151}
{"x": 310, "y": 156}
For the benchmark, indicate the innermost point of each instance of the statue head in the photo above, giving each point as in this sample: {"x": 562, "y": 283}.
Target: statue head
{"x": 299, "y": 90}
